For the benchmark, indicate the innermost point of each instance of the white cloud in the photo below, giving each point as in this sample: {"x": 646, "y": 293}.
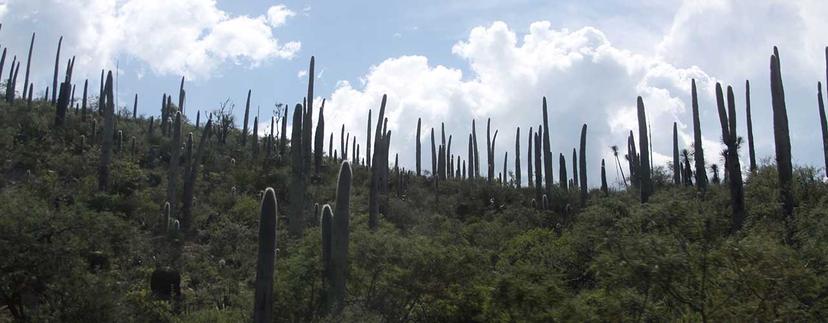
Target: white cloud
{"x": 302, "y": 73}
{"x": 585, "y": 79}
{"x": 190, "y": 37}
{"x": 276, "y": 15}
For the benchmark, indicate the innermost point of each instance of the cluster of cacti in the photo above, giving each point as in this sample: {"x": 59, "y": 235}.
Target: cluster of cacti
{"x": 263, "y": 302}
{"x": 379, "y": 166}
{"x": 335, "y": 232}
{"x": 782, "y": 140}
{"x": 733, "y": 168}
{"x": 64, "y": 96}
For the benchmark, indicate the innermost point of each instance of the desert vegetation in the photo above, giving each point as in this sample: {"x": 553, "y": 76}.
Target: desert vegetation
{"x": 106, "y": 215}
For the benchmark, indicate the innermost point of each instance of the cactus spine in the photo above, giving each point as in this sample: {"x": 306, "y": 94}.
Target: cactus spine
{"x": 582, "y": 166}
{"x": 782, "y": 141}
{"x": 108, "y": 132}
{"x": 418, "y": 148}
{"x": 676, "y": 163}
{"x": 263, "y": 303}
{"x": 701, "y": 175}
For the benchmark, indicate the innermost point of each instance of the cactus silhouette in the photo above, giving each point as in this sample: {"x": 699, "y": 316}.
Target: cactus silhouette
{"x": 108, "y": 132}
{"x": 644, "y": 185}
{"x": 582, "y": 176}
{"x": 823, "y": 123}
{"x": 296, "y": 218}
{"x": 547, "y": 152}
{"x": 698, "y": 154}
{"x": 727, "y": 118}
{"x": 782, "y": 140}
{"x": 529, "y": 158}
{"x": 192, "y": 174}
{"x": 562, "y": 172}
{"x": 676, "y": 163}
{"x": 245, "y": 121}
{"x": 604, "y": 187}
{"x": 263, "y": 302}
{"x": 518, "y": 181}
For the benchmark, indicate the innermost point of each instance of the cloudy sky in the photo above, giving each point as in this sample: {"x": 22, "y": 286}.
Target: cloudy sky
{"x": 471, "y": 59}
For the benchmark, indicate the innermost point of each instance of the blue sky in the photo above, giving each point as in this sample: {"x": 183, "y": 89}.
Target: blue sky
{"x": 452, "y": 62}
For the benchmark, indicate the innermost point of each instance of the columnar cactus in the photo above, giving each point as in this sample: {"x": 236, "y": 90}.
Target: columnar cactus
{"x": 823, "y": 124}
{"x": 676, "y": 162}
{"x": 255, "y": 141}
{"x": 470, "y": 156}
{"x": 529, "y": 158}
{"x": 175, "y": 154}
{"x": 263, "y": 303}
{"x": 55, "y": 77}
{"x": 342, "y": 144}
{"x": 296, "y": 220}
{"x": 701, "y": 175}
{"x": 632, "y": 160}
{"x": 433, "y": 155}
{"x": 547, "y": 152}
{"x": 3, "y": 63}
{"x": 727, "y": 119}
{"x": 108, "y": 132}
{"x": 751, "y": 150}
{"x": 120, "y": 143}
{"x": 246, "y": 117}
{"x": 489, "y": 153}
{"x": 645, "y": 184}
{"x": 28, "y": 68}
{"x": 339, "y": 237}
{"x": 563, "y": 179}
{"x": 574, "y": 169}
{"x": 476, "y": 169}
{"x": 518, "y": 181}
{"x": 538, "y": 176}
{"x": 449, "y": 158}
{"x": 688, "y": 172}
{"x": 83, "y": 100}
{"x": 283, "y": 133}
{"x": 192, "y": 174}
{"x": 604, "y": 187}
{"x": 307, "y": 133}
{"x": 134, "y": 105}
{"x": 505, "y": 166}
{"x": 582, "y": 176}
{"x": 368, "y": 155}
{"x": 418, "y": 152}
{"x": 379, "y": 165}
{"x": 319, "y": 140}
{"x": 326, "y": 228}
{"x": 782, "y": 141}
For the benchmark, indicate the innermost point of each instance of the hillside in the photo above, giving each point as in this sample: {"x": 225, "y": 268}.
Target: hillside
{"x": 461, "y": 250}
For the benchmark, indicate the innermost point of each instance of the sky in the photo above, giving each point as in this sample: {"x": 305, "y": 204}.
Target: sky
{"x": 451, "y": 62}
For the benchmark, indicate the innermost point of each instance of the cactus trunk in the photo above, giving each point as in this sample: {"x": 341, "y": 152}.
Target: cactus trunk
{"x": 701, "y": 174}
{"x": 676, "y": 163}
{"x": 645, "y": 185}
{"x": 518, "y": 181}
{"x": 246, "y": 118}
{"x": 582, "y": 176}
{"x": 263, "y": 303}
{"x": 108, "y": 132}
{"x": 562, "y": 172}
{"x": 296, "y": 219}
{"x": 782, "y": 142}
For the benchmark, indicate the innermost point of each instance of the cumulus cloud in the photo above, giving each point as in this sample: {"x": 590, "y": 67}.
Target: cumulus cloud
{"x": 191, "y": 37}
{"x": 584, "y": 77}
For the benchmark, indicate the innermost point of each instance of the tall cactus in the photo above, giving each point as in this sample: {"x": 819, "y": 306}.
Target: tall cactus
{"x": 55, "y": 76}
{"x": 134, "y": 105}
{"x": 518, "y": 181}
{"x": 379, "y": 165}
{"x": 296, "y": 219}
{"x": 698, "y": 154}
{"x": 108, "y": 132}
{"x": 339, "y": 237}
{"x": 582, "y": 176}
{"x": 326, "y": 228}
{"x": 246, "y": 118}
{"x": 823, "y": 124}
{"x": 505, "y": 166}
{"x": 538, "y": 176}
{"x": 632, "y": 160}
{"x": 529, "y": 158}
{"x": 751, "y": 150}
{"x": 283, "y": 133}
{"x": 175, "y": 154}
{"x": 308, "y": 120}
{"x": 83, "y": 100}
{"x": 433, "y": 155}
{"x": 604, "y": 187}
{"x": 368, "y": 155}
{"x": 575, "y": 181}
{"x": 782, "y": 141}
{"x": 476, "y": 169}
{"x": 418, "y": 152}
{"x": 28, "y": 68}
{"x": 645, "y": 184}
{"x": 563, "y": 179}
{"x": 727, "y": 119}
{"x": 319, "y": 140}
{"x": 676, "y": 163}
{"x": 547, "y": 152}
{"x": 191, "y": 175}
{"x": 263, "y": 303}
